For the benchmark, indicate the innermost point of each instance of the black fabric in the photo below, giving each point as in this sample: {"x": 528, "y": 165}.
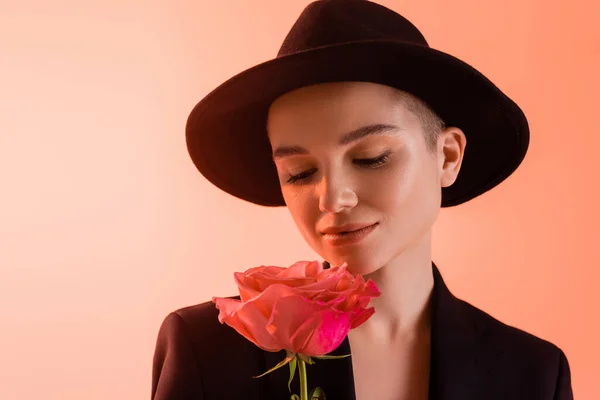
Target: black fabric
{"x": 473, "y": 357}
{"x": 353, "y": 40}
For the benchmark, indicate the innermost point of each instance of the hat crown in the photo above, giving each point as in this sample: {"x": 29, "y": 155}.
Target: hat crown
{"x": 330, "y": 22}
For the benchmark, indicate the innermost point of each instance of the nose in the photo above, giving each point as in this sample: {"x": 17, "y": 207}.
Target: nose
{"x": 336, "y": 195}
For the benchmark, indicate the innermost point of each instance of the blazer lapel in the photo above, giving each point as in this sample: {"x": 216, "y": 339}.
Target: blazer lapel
{"x": 460, "y": 359}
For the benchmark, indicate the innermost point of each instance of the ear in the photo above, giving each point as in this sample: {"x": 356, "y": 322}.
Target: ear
{"x": 451, "y": 150}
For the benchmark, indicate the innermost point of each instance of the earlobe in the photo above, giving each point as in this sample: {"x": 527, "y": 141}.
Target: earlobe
{"x": 453, "y": 143}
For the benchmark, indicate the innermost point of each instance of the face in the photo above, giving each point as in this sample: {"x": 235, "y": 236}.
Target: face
{"x": 355, "y": 171}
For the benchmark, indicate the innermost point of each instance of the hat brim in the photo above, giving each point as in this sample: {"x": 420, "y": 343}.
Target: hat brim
{"x": 226, "y": 131}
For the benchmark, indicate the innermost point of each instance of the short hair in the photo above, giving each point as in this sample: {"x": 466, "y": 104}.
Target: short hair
{"x": 431, "y": 122}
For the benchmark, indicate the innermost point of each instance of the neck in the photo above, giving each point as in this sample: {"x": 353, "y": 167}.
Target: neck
{"x": 403, "y": 309}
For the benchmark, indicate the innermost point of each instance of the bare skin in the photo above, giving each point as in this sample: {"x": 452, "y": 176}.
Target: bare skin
{"x": 385, "y": 178}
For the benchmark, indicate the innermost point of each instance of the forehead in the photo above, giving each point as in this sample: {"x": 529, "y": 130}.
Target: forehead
{"x": 336, "y": 107}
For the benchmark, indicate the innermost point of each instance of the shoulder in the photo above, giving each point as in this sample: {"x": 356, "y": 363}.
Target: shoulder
{"x": 199, "y": 326}
{"x": 512, "y": 339}
{"x": 197, "y": 356}
{"x": 193, "y": 319}
{"x": 522, "y": 357}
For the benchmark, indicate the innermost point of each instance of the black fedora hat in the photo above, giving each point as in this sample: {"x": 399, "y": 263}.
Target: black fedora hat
{"x": 354, "y": 40}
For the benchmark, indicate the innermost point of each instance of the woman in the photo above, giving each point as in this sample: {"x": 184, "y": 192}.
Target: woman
{"x": 362, "y": 131}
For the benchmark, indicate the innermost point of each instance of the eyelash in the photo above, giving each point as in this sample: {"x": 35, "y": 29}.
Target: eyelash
{"x": 363, "y": 162}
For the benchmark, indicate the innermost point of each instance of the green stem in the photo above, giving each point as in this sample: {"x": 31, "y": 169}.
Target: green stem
{"x": 303, "y": 380}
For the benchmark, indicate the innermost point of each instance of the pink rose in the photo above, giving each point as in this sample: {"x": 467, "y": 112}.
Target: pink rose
{"x": 303, "y": 309}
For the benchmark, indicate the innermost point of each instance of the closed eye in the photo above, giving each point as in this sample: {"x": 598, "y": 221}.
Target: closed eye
{"x": 301, "y": 176}
{"x": 373, "y": 162}
{"x": 362, "y": 162}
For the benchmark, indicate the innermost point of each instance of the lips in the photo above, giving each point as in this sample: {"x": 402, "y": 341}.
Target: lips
{"x": 348, "y": 228}
{"x": 346, "y": 235}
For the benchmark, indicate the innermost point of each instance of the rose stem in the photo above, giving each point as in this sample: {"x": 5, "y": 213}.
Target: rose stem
{"x": 303, "y": 380}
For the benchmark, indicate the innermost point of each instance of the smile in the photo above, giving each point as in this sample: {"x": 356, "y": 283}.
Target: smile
{"x": 346, "y": 238}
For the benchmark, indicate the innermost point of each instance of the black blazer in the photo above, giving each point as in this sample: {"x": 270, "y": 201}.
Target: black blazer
{"x": 473, "y": 357}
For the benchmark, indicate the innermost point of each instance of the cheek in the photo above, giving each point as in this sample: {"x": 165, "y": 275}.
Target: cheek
{"x": 303, "y": 212}
{"x": 408, "y": 191}
{"x": 389, "y": 188}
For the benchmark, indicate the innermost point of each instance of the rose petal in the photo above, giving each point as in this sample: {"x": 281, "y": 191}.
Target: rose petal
{"x": 251, "y": 284}
{"x": 228, "y": 309}
{"x": 327, "y": 280}
{"x": 361, "y": 316}
{"x": 306, "y": 327}
{"x": 332, "y": 328}
{"x": 248, "y": 320}
{"x": 302, "y": 269}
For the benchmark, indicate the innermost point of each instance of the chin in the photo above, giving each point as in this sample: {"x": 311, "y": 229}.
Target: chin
{"x": 359, "y": 262}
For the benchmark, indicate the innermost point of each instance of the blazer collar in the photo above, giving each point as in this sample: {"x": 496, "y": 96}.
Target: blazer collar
{"x": 459, "y": 359}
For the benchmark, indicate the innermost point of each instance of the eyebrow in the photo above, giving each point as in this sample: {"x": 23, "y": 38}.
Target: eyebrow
{"x": 350, "y": 137}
